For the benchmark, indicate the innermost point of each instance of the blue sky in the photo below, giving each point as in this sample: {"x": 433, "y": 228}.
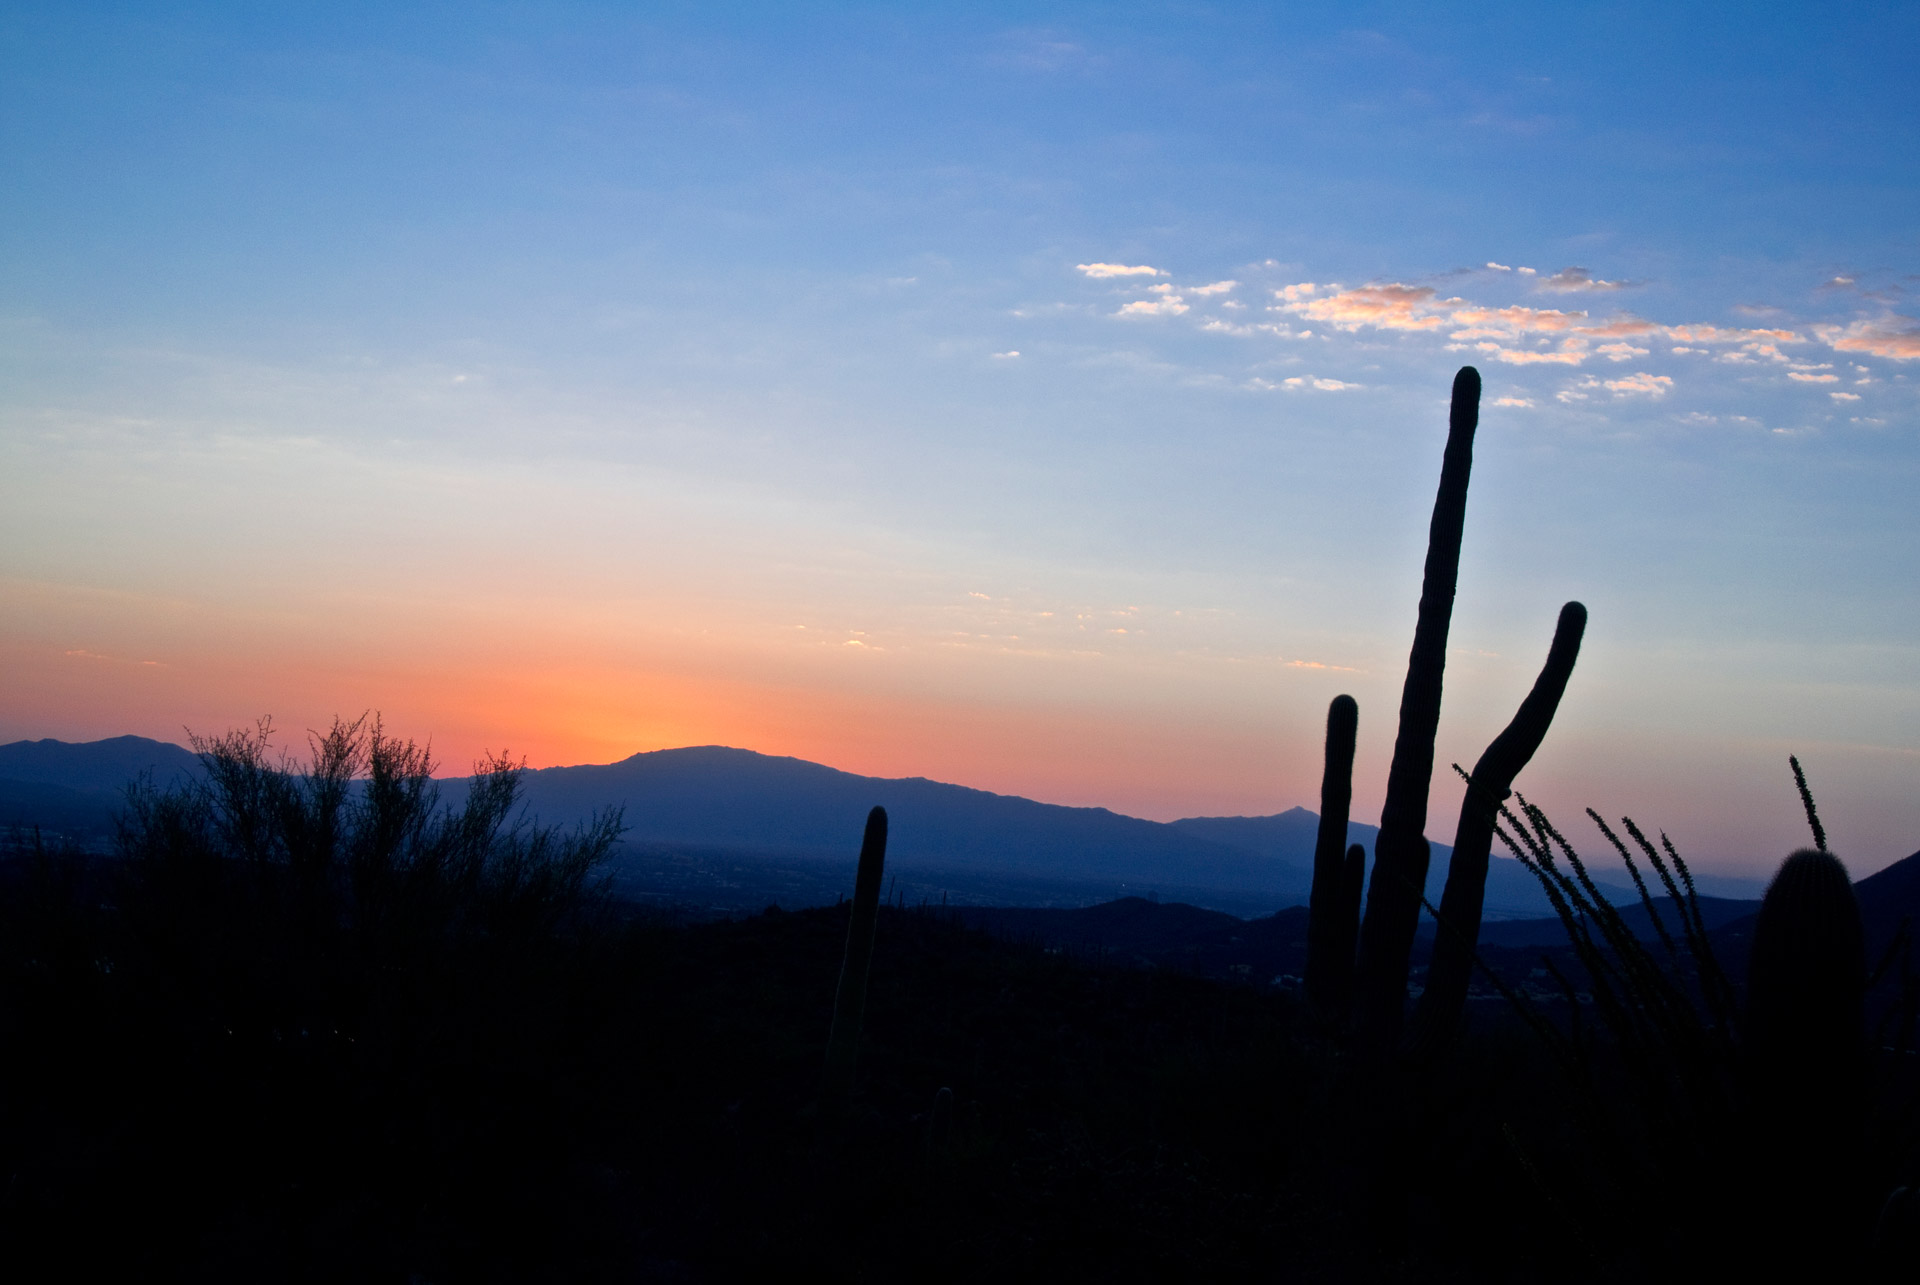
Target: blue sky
{"x": 593, "y": 379}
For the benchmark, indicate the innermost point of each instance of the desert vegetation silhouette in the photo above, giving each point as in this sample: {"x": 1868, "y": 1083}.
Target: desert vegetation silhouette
{"x": 306, "y": 1020}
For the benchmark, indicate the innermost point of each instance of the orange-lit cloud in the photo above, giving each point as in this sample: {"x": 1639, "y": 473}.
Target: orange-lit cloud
{"x": 1896, "y": 337}
{"x": 1384, "y": 307}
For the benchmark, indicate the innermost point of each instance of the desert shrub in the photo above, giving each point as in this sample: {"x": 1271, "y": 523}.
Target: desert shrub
{"x": 1698, "y": 1136}
{"x": 310, "y": 1016}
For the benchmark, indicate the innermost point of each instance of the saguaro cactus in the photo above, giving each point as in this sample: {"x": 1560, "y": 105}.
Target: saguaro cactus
{"x": 1438, "y": 1013}
{"x": 850, "y": 1000}
{"x": 1400, "y": 852}
{"x": 1333, "y": 920}
{"x": 1806, "y": 1045}
{"x": 1807, "y": 975}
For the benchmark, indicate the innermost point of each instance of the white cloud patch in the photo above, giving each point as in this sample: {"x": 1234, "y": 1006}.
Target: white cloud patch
{"x": 1805, "y": 378}
{"x": 1518, "y": 402}
{"x": 1324, "y": 385}
{"x": 1845, "y": 397}
{"x": 1640, "y": 383}
{"x": 1166, "y": 306}
{"x": 1218, "y": 287}
{"x": 1620, "y": 352}
{"x": 1102, "y": 270}
{"x": 1008, "y": 355}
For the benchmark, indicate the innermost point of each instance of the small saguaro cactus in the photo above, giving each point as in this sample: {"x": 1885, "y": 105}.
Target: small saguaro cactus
{"x": 1333, "y": 919}
{"x": 1805, "y": 1038}
{"x": 850, "y": 1000}
{"x": 1400, "y": 851}
{"x": 1807, "y": 974}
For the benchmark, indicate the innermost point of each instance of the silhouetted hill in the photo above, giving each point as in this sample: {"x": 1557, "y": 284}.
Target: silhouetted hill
{"x": 1715, "y": 911}
{"x": 1887, "y": 897}
{"x": 107, "y": 764}
{"x": 71, "y": 790}
{"x": 86, "y": 815}
{"x": 716, "y": 797}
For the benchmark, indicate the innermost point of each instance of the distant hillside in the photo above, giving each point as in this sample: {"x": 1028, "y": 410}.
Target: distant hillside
{"x": 86, "y": 765}
{"x": 716, "y": 797}
{"x": 72, "y": 790}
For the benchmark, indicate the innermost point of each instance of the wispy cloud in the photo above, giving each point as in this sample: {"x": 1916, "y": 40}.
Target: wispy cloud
{"x": 1508, "y": 323}
{"x": 1324, "y": 385}
{"x": 1574, "y": 280}
{"x": 1805, "y": 378}
{"x": 1570, "y": 353}
{"x": 1218, "y": 287}
{"x": 1099, "y": 270}
{"x": 1520, "y": 402}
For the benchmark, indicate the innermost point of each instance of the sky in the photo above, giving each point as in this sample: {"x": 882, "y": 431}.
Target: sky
{"x": 1044, "y": 398}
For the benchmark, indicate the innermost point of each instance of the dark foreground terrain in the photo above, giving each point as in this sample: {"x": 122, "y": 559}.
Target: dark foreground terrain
{"x": 313, "y": 1025}
{"x": 194, "y": 1091}
{"x": 221, "y": 1091}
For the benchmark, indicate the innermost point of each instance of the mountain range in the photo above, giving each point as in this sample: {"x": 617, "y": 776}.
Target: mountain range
{"x": 729, "y": 828}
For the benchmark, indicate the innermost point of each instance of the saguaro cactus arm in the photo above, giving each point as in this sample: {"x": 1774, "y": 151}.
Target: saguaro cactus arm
{"x": 850, "y": 1000}
{"x": 1400, "y": 854}
{"x": 1438, "y": 1013}
{"x": 1333, "y": 919}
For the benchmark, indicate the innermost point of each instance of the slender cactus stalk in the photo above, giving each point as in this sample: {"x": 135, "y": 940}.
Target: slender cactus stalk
{"x": 850, "y": 1000}
{"x": 1334, "y": 918}
{"x": 1806, "y": 801}
{"x": 1400, "y": 852}
{"x": 1438, "y": 1014}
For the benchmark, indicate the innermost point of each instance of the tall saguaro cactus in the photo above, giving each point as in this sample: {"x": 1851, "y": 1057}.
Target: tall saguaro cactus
{"x": 1400, "y": 852}
{"x": 850, "y": 1000}
{"x": 1438, "y": 1013}
{"x": 1333, "y": 921}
